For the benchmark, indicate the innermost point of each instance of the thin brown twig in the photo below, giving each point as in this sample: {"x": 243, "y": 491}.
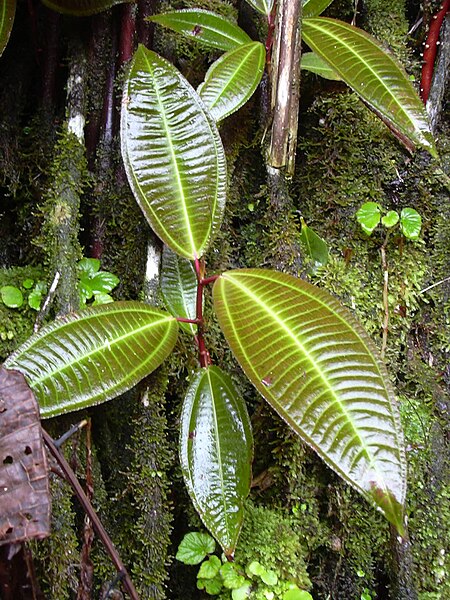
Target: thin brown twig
{"x": 384, "y": 266}
{"x": 71, "y": 478}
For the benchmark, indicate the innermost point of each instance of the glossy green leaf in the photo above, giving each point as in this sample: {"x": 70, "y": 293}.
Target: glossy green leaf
{"x": 297, "y": 594}
{"x": 89, "y": 357}
{"x": 194, "y": 547}
{"x": 317, "y": 367}
{"x": 390, "y": 219}
{"x": 262, "y": 6}
{"x": 232, "y": 79}
{"x": 81, "y": 8}
{"x": 209, "y": 568}
{"x": 173, "y": 155}
{"x": 211, "y": 586}
{"x": 232, "y": 579}
{"x": 11, "y": 296}
{"x": 179, "y": 287}
{"x": 314, "y": 8}
{"x": 88, "y": 266}
{"x": 103, "y": 281}
{"x": 314, "y": 245}
{"x": 28, "y": 283}
{"x": 7, "y": 13}
{"x": 311, "y": 61}
{"x": 410, "y": 223}
{"x": 374, "y": 74}
{"x": 242, "y": 593}
{"x": 368, "y": 216}
{"x": 204, "y": 26}
{"x": 216, "y": 453}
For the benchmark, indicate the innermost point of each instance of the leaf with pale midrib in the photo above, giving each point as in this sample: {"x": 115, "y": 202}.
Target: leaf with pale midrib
{"x": 317, "y": 367}
{"x": 216, "y": 449}
{"x": 94, "y": 355}
{"x": 374, "y": 75}
{"x": 173, "y": 155}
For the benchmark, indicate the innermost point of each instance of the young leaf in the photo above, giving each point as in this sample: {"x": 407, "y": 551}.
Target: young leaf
{"x": 11, "y": 296}
{"x": 317, "y": 367}
{"x": 103, "y": 281}
{"x": 211, "y": 586}
{"x": 205, "y": 26}
{"x": 232, "y": 579}
{"x": 86, "y": 358}
{"x": 297, "y": 594}
{"x": 315, "y": 246}
{"x": 81, "y": 8}
{"x": 241, "y": 593}
{"x": 374, "y": 74}
{"x": 194, "y": 547}
{"x": 311, "y": 61}
{"x": 390, "y": 219}
{"x": 88, "y": 266}
{"x": 216, "y": 453}
{"x": 368, "y": 216}
{"x": 232, "y": 79}
{"x": 173, "y": 155}
{"x": 262, "y": 6}
{"x": 179, "y": 287}
{"x": 209, "y": 568}
{"x": 314, "y": 8}
{"x": 410, "y": 223}
{"x": 7, "y": 13}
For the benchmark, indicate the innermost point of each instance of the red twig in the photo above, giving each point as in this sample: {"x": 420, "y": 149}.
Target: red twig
{"x": 429, "y": 54}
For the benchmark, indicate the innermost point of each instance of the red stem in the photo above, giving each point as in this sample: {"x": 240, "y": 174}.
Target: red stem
{"x": 270, "y": 31}
{"x": 429, "y": 54}
{"x": 204, "y": 357}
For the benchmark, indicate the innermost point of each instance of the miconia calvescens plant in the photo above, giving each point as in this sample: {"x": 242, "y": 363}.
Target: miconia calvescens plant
{"x": 305, "y": 353}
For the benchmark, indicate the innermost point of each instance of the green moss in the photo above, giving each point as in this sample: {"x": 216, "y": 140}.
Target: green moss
{"x": 57, "y": 557}
{"x": 59, "y": 238}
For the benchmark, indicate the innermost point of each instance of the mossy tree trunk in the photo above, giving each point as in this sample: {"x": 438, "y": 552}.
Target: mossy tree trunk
{"x": 61, "y": 198}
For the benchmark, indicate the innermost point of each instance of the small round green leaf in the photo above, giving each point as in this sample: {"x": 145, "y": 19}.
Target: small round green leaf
{"x": 232, "y": 579}
{"x": 410, "y": 223}
{"x": 297, "y": 594}
{"x": 28, "y": 283}
{"x": 88, "y": 266}
{"x": 269, "y": 577}
{"x": 242, "y": 593}
{"x": 194, "y": 547}
{"x": 368, "y": 216}
{"x": 211, "y": 586}
{"x": 12, "y": 297}
{"x": 390, "y": 219}
{"x": 103, "y": 282}
{"x": 209, "y": 568}
{"x": 255, "y": 568}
